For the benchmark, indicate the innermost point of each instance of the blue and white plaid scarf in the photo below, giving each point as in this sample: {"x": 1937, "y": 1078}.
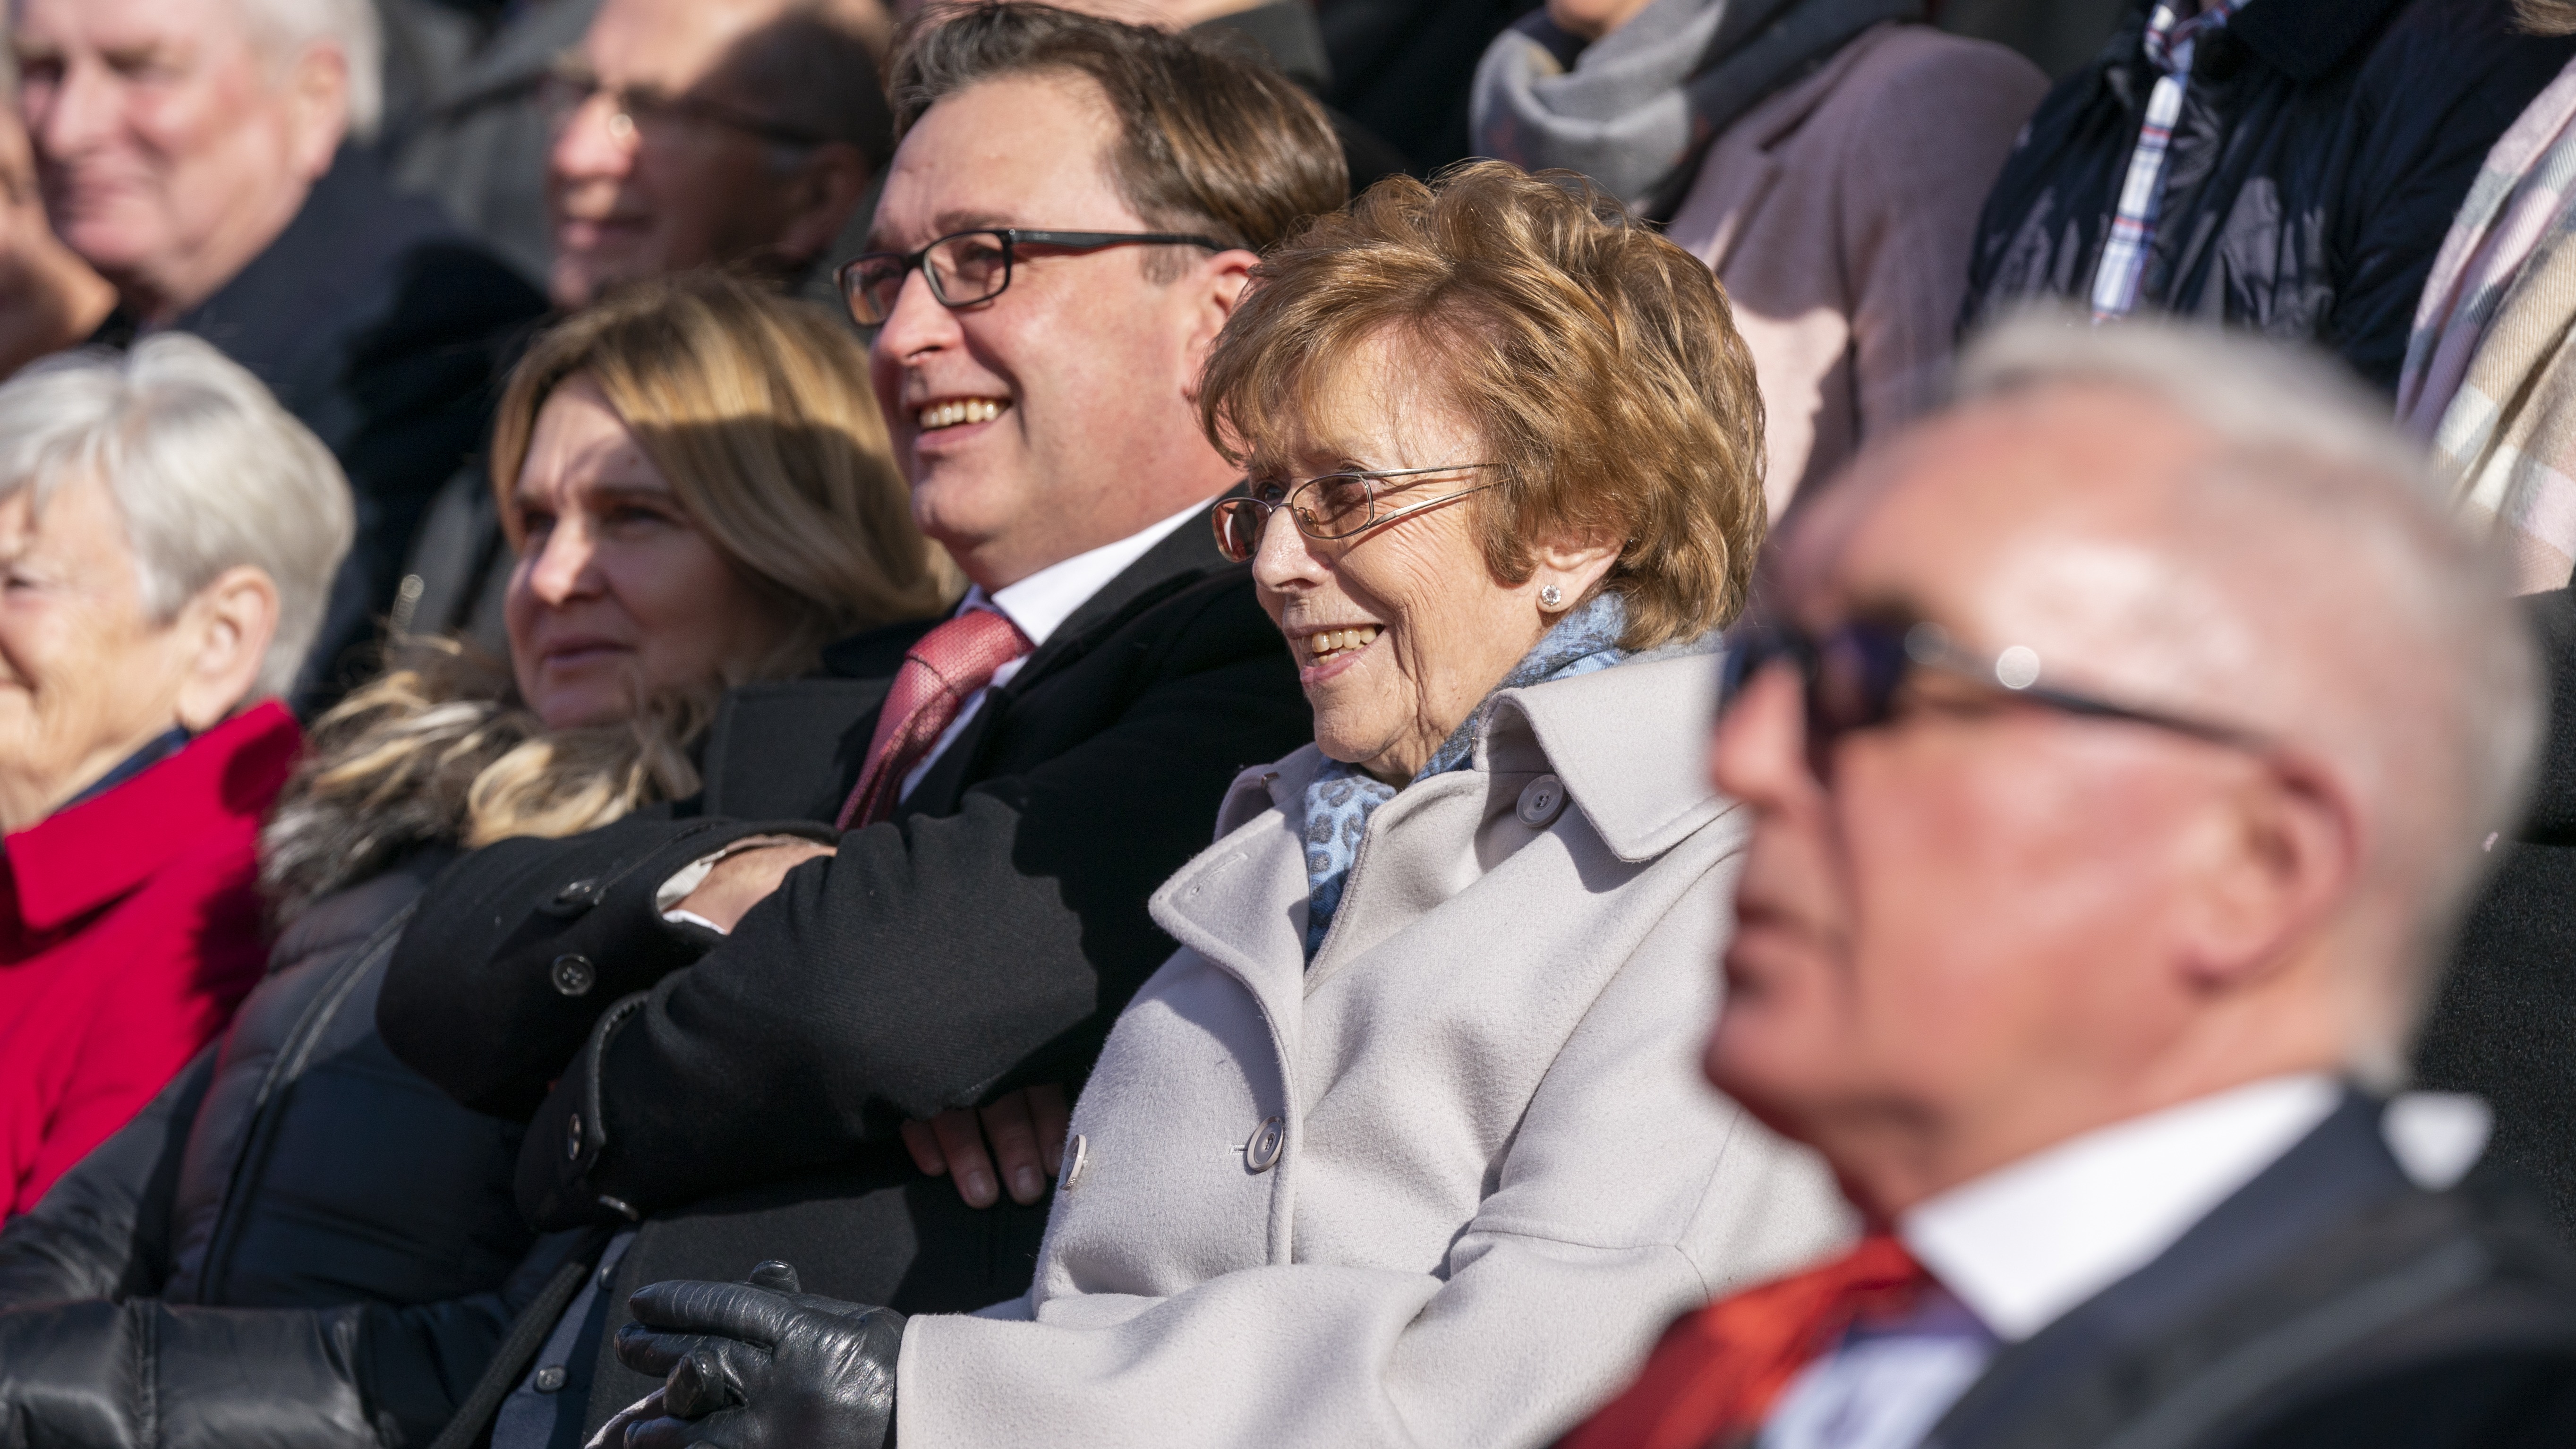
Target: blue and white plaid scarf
{"x": 1341, "y": 797}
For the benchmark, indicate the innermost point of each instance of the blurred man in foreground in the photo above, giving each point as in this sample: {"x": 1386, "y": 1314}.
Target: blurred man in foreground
{"x": 2106, "y": 836}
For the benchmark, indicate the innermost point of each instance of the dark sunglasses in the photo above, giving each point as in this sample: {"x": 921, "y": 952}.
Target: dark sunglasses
{"x": 1851, "y": 677}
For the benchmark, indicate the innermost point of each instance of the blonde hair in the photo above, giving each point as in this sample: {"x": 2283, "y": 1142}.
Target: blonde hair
{"x": 1599, "y": 360}
{"x": 753, "y": 409}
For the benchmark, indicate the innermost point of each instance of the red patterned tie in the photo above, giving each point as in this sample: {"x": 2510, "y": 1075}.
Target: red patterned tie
{"x": 1711, "y": 1382}
{"x": 940, "y": 673}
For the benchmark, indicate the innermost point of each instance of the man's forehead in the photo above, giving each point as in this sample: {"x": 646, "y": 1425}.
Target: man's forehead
{"x": 1017, "y": 150}
{"x": 1994, "y": 500}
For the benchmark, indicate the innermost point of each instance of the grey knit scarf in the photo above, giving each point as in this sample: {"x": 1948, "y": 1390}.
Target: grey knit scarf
{"x": 1637, "y": 108}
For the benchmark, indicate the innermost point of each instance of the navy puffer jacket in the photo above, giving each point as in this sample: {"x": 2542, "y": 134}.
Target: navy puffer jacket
{"x": 2323, "y": 147}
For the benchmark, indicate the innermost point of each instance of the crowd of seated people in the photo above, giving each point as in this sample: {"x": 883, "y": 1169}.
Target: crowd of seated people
{"x": 1816, "y": 760}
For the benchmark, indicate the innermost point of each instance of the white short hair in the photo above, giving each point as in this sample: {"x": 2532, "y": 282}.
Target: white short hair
{"x": 350, "y": 26}
{"x": 208, "y": 472}
{"x": 2417, "y": 678}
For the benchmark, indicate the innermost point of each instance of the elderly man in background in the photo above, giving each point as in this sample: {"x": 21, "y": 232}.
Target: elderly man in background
{"x": 2106, "y": 840}
{"x": 207, "y": 158}
{"x": 682, "y": 134}
{"x": 167, "y": 534}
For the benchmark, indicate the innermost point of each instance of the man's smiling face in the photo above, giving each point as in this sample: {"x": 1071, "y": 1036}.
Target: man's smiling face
{"x": 1056, "y": 417}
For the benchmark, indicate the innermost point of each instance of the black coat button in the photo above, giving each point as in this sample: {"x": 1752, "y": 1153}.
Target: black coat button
{"x": 572, "y": 1139}
{"x": 574, "y": 975}
{"x": 575, "y": 898}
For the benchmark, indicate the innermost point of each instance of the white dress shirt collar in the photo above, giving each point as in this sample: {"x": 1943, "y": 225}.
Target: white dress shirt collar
{"x": 2025, "y": 1243}
{"x": 1040, "y": 603}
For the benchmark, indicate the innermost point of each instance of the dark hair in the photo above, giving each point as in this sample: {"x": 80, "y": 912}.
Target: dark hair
{"x": 815, "y": 70}
{"x": 1210, "y": 142}
{"x": 1600, "y": 361}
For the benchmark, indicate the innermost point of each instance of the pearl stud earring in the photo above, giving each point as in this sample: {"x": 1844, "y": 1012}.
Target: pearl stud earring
{"x": 1549, "y": 597}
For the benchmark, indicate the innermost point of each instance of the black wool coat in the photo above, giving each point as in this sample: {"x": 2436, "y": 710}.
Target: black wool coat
{"x": 2503, "y": 1024}
{"x": 2322, "y": 150}
{"x": 740, "y": 1095}
{"x": 2330, "y": 1303}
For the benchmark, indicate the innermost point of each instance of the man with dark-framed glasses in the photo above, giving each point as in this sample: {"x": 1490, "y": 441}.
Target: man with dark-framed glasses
{"x": 916, "y": 886}
{"x": 2123, "y": 746}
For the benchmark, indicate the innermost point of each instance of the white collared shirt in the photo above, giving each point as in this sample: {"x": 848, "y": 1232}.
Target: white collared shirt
{"x": 2023, "y": 1244}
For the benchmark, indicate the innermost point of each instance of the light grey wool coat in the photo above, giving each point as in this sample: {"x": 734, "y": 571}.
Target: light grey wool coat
{"x": 1498, "y": 1173}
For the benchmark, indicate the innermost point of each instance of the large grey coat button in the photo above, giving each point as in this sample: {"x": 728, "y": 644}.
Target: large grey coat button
{"x": 550, "y": 1379}
{"x": 574, "y": 975}
{"x": 1542, "y": 800}
{"x": 1262, "y": 1152}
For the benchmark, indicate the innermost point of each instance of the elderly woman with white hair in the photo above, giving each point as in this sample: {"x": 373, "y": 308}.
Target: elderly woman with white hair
{"x": 167, "y": 539}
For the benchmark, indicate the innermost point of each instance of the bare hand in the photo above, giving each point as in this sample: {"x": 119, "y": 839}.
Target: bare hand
{"x": 1026, "y": 1129}
{"x": 746, "y": 878}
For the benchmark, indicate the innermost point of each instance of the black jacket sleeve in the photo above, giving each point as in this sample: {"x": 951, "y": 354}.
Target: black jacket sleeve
{"x": 518, "y": 948}
{"x": 934, "y": 961}
{"x": 145, "y": 1374}
{"x": 103, "y": 1229}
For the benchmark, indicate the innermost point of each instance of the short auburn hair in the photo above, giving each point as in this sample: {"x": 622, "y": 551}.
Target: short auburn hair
{"x": 1600, "y": 361}
{"x": 1210, "y": 142}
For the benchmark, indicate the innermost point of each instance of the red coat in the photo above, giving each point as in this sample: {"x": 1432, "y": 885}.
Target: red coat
{"x": 130, "y": 927}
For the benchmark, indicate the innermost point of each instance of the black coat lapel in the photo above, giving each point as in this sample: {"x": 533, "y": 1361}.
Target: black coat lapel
{"x": 1183, "y": 557}
{"x": 2337, "y": 1173}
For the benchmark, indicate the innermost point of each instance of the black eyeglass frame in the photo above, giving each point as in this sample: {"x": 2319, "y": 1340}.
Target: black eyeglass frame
{"x": 573, "y": 86}
{"x": 1012, "y": 238}
{"x": 1259, "y": 509}
{"x": 1886, "y": 652}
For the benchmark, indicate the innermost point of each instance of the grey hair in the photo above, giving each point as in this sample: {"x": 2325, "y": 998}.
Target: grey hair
{"x": 208, "y": 472}
{"x": 351, "y": 27}
{"x": 2411, "y": 673}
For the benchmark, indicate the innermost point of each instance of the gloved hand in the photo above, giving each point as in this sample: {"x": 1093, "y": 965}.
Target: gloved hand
{"x": 761, "y": 1365}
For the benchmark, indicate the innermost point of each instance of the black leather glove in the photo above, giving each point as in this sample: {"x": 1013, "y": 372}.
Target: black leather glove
{"x": 760, "y": 1365}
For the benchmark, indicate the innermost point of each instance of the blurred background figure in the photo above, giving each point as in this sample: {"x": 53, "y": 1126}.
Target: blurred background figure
{"x": 1825, "y": 157}
{"x": 477, "y": 142}
{"x": 206, "y": 157}
{"x": 679, "y": 134}
{"x": 1283, "y": 34}
{"x": 2120, "y": 745}
{"x": 49, "y": 298}
{"x": 2288, "y": 166}
{"x": 2491, "y": 381}
{"x": 167, "y": 538}
{"x": 697, "y": 497}
{"x": 2490, "y": 377}
{"x": 700, "y": 133}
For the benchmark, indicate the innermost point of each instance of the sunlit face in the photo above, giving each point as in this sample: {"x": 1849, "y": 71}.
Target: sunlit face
{"x": 1981, "y": 897}
{"x": 1399, "y": 632}
{"x": 616, "y": 597}
{"x": 86, "y": 675}
{"x": 171, "y": 151}
{"x": 1592, "y": 19}
{"x": 629, "y": 203}
{"x": 1031, "y": 426}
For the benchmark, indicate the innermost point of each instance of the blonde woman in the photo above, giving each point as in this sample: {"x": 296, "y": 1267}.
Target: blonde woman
{"x": 697, "y": 497}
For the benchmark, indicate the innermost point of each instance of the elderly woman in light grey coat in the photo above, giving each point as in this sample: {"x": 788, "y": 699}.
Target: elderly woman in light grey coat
{"x": 1405, "y": 1146}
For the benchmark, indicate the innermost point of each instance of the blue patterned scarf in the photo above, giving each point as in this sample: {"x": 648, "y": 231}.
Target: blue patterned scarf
{"x": 1341, "y": 798}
